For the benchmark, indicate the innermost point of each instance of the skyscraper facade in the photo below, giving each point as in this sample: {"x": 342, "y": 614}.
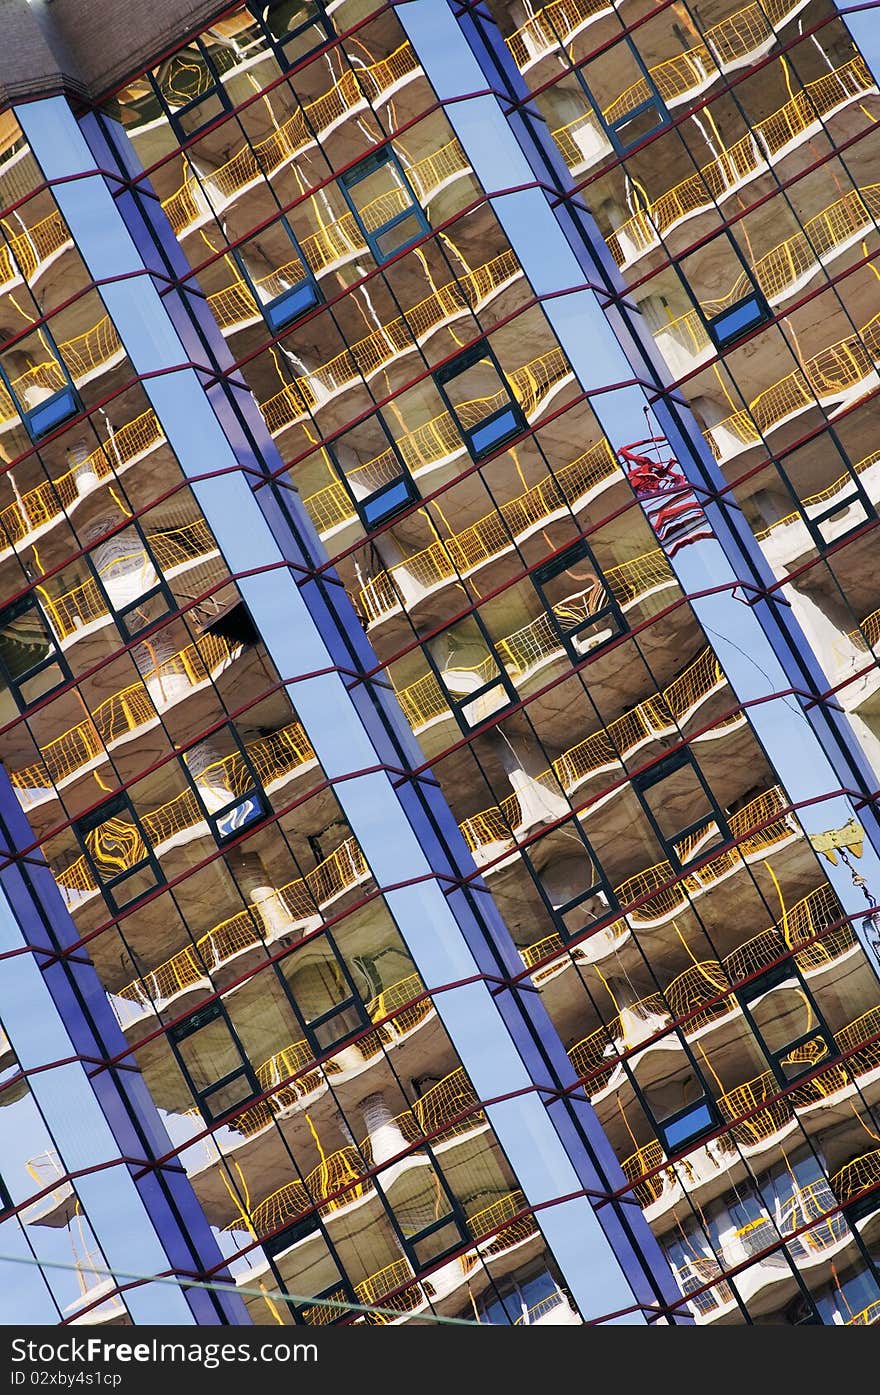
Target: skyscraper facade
{"x": 440, "y": 711}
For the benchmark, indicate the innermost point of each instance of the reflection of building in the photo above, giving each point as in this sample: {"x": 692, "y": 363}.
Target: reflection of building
{"x": 412, "y": 601}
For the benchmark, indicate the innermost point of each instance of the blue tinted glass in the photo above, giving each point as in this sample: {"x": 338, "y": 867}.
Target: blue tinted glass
{"x": 494, "y": 429}
{"x": 239, "y": 817}
{"x": 697, "y": 1120}
{"x": 289, "y": 304}
{"x": 738, "y": 319}
{"x": 380, "y": 505}
{"x": 51, "y": 413}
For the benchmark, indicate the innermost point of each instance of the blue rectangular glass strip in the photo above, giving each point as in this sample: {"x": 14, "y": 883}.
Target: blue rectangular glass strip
{"x": 740, "y": 318}
{"x": 52, "y": 412}
{"x": 494, "y": 430}
{"x": 290, "y": 304}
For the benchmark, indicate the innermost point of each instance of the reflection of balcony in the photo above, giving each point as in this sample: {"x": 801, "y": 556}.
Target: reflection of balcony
{"x": 657, "y": 716}
{"x": 841, "y": 372}
{"x": 729, "y": 43}
{"x": 303, "y": 1080}
{"x": 187, "y": 206}
{"x": 396, "y": 1287}
{"x": 60, "y": 1203}
{"x": 28, "y": 253}
{"x": 867, "y": 1317}
{"x": 94, "y": 1282}
{"x": 801, "y": 541}
{"x": 708, "y": 982}
{"x": 767, "y": 142}
{"x": 532, "y": 385}
{"x": 491, "y": 537}
{"x": 274, "y": 758}
{"x": 290, "y": 908}
{"x": 174, "y": 550}
{"x": 86, "y": 744}
{"x": 88, "y": 354}
{"x": 38, "y": 509}
{"x": 629, "y": 582}
{"x": 350, "y": 1165}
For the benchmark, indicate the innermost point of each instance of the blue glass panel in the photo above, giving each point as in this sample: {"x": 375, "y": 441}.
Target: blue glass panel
{"x": 494, "y": 430}
{"x": 287, "y": 306}
{"x": 687, "y": 1126}
{"x": 238, "y": 817}
{"x": 387, "y": 501}
{"x": 740, "y": 318}
{"x": 52, "y": 412}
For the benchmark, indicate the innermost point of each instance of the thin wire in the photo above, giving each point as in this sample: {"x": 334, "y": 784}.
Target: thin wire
{"x": 216, "y": 1287}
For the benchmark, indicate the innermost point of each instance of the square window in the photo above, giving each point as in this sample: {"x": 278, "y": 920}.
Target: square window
{"x": 382, "y": 200}
{"x": 478, "y": 395}
{"x": 738, "y": 319}
{"x": 216, "y": 1068}
{"x": 368, "y": 461}
{"x": 131, "y": 579}
{"x": 38, "y": 384}
{"x": 783, "y": 1015}
{"x": 569, "y": 878}
{"x": 30, "y": 662}
{"x": 678, "y": 1103}
{"x": 475, "y": 682}
{"x": 295, "y": 28}
{"x": 578, "y": 600}
{"x": 278, "y": 275}
{"x": 623, "y": 95}
{"x": 227, "y": 787}
{"x": 118, "y": 852}
{"x": 680, "y": 808}
{"x": 190, "y": 91}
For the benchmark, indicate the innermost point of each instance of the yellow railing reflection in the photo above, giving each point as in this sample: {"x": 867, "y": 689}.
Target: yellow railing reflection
{"x": 867, "y": 1317}
{"x": 730, "y": 40}
{"x": 187, "y": 205}
{"x": 491, "y": 536}
{"x": 833, "y": 371}
{"x": 780, "y": 269}
{"x": 843, "y": 483}
{"x": 297, "y": 902}
{"x": 84, "y": 355}
{"x": 191, "y": 542}
{"x": 857, "y": 1176}
{"x": 297, "y": 1058}
{"x": 273, "y": 758}
{"x": 604, "y": 750}
{"x": 350, "y": 1164}
{"x": 740, "y": 162}
{"x": 25, "y": 251}
{"x": 386, "y": 344}
{"x": 708, "y": 982}
{"x": 46, "y": 503}
{"x": 117, "y": 716}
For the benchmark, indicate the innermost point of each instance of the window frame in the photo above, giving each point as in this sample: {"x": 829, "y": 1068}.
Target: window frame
{"x": 613, "y": 130}
{"x": 706, "y": 1104}
{"x": 546, "y": 572}
{"x": 218, "y": 89}
{"x": 600, "y": 888}
{"x": 181, "y": 1031}
{"x": 256, "y": 791}
{"x": 66, "y": 394}
{"x": 714, "y": 324}
{"x": 354, "y": 1002}
{"x": 89, "y": 822}
{"x": 661, "y": 770}
{"x": 503, "y": 680}
{"x": 279, "y": 323}
{"x": 403, "y": 479}
{"x": 24, "y": 603}
{"x": 460, "y": 365}
{"x": 765, "y": 983}
{"x": 161, "y": 587}
{"x": 278, "y": 45}
{"x": 362, "y": 170}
